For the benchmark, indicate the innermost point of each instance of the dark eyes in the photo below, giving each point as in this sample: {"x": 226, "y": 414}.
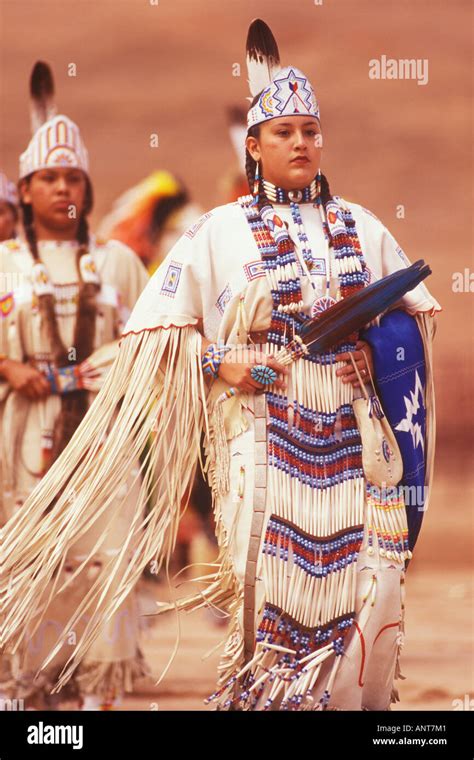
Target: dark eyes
{"x": 284, "y": 132}
{"x": 72, "y": 178}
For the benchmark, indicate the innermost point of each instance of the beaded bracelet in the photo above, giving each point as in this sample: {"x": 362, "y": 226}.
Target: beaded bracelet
{"x": 212, "y": 358}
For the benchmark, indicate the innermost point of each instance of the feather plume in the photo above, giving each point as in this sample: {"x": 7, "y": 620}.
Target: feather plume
{"x": 263, "y": 58}
{"x": 42, "y": 106}
{"x": 356, "y": 311}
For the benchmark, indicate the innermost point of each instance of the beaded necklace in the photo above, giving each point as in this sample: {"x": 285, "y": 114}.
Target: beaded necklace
{"x": 277, "y": 194}
{"x": 278, "y": 254}
{"x": 319, "y": 304}
{"x": 311, "y": 192}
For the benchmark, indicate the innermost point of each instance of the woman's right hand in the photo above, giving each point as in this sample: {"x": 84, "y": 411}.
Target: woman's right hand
{"x": 25, "y": 379}
{"x": 237, "y": 363}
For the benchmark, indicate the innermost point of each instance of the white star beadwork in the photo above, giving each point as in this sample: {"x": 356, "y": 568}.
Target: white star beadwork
{"x": 412, "y": 404}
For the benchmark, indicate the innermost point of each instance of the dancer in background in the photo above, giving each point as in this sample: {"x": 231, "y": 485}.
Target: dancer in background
{"x": 8, "y": 223}
{"x": 311, "y": 566}
{"x": 151, "y": 216}
{"x": 8, "y": 208}
{"x": 69, "y": 298}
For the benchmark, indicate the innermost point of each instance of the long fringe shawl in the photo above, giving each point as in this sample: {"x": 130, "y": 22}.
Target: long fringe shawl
{"x": 222, "y": 591}
{"x": 154, "y": 393}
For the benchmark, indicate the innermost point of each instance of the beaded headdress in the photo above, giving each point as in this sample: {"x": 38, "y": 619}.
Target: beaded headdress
{"x": 283, "y": 91}
{"x": 56, "y": 140}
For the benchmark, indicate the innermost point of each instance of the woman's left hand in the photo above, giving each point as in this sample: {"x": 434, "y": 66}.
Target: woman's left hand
{"x": 348, "y": 374}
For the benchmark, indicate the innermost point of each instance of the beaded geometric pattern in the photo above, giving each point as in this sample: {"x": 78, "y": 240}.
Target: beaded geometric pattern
{"x": 171, "y": 280}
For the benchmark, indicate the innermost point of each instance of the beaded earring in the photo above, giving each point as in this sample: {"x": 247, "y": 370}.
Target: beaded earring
{"x": 318, "y": 184}
{"x": 256, "y": 183}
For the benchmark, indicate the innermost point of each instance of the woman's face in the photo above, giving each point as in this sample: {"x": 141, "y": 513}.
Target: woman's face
{"x": 289, "y": 149}
{"x": 57, "y": 197}
{"x": 7, "y": 221}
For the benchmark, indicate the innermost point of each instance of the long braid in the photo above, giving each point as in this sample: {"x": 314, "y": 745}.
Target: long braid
{"x": 84, "y": 333}
{"x": 27, "y": 219}
{"x": 250, "y": 167}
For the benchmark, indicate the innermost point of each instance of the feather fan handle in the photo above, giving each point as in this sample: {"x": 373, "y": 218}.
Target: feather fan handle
{"x": 42, "y": 106}
{"x": 263, "y": 58}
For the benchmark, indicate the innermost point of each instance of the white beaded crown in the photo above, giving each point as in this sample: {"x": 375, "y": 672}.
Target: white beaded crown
{"x": 57, "y": 143}
{"x": 289, "y": 94}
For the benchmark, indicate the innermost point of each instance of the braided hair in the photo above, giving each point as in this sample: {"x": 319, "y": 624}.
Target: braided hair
{"x": 251, "y": 165}
{"x": 74, "y": 404}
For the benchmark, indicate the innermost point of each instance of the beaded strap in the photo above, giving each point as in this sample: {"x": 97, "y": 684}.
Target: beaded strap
{"x": 212, "y": 358}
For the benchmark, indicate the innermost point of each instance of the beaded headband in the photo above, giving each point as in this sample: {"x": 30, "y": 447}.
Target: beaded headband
{"x": 289, "y": 94}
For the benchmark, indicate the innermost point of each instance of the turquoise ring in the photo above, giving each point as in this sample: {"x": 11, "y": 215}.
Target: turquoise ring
{"x": 263, "y": 374}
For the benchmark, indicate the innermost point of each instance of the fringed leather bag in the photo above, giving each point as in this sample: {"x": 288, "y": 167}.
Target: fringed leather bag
{"x": 381, "y": 458}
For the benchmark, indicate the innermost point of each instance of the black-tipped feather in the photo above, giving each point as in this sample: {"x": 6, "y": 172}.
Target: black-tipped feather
{"x": 42, "y": 95}
{"x": 354, "y": 312}
{"x": 263, "y": 57}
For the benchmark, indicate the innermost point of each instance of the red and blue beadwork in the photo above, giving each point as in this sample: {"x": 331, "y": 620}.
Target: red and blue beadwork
{"x": 321, "y": 304}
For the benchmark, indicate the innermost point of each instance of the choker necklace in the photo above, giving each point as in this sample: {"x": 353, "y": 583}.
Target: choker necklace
{"x": 279, "y": 195}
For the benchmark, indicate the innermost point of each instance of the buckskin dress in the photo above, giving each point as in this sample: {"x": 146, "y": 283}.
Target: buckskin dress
{"x": 115, "y": 660}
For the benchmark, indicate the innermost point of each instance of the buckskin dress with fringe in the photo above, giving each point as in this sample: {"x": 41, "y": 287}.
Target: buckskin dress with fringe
{"x": 115, "y": 661}
{"x": 302, "y": 556}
